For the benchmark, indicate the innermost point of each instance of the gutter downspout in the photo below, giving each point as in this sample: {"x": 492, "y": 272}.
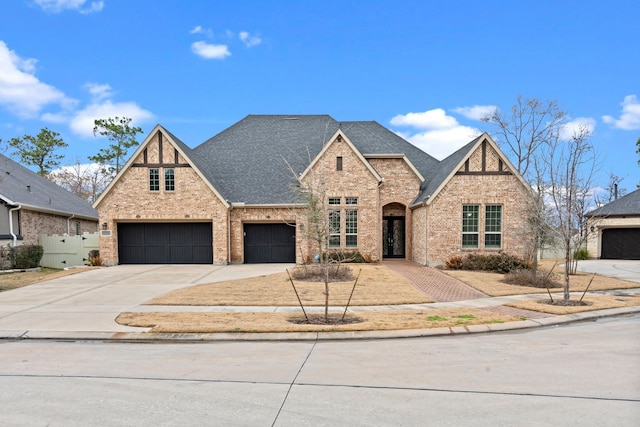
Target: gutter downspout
{"x": 229, "y": 233}
{"x": 69, "y": 224}
{"x": 13, "y": 235}
{"x": 426, "y": 233}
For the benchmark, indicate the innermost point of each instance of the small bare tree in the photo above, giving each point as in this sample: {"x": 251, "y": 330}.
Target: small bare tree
{"x": 571, "y": 166}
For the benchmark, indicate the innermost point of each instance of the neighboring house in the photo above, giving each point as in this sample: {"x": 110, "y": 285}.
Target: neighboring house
{"x": 231, "y": 199}
{"x": 32, "y": 206}
{"x": 615, "y": 229}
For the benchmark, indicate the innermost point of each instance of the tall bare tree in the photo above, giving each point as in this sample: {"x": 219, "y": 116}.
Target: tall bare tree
{"x": 571, "y": 166}
{"x": 524, "y": 132}
{"x": 527, "y": 126}
{"x": 86, "y": 181}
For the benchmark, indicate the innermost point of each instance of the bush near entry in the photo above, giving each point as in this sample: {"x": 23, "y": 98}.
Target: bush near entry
{"x": 501, "y": 262}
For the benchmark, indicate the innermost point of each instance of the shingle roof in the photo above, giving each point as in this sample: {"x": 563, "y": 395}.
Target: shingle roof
{"x": 19, "y": 185}
{"x": 625, "y": 205}
{"x": 252, "y": 161}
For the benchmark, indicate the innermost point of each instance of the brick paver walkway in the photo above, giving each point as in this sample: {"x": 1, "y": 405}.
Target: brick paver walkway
{"x": 437, "y": 285}
{"x": 443, "y": 288}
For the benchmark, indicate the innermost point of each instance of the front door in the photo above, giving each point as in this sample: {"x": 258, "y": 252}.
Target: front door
{"x": 393, "y": 237}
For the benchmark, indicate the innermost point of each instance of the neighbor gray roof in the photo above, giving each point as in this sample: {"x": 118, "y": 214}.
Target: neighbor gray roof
{"x": 19, "y": 185}
{"x": 254, "y": 160}
{"x": 625, "y": 205}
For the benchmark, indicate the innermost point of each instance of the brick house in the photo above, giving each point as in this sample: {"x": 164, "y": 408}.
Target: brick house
{"x": 32, "y": 206}
{"x": 232, "y": 199}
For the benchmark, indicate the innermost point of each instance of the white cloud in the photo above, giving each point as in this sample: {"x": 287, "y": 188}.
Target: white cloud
{"x": 576, "y": 126}
{"x": 477, "y": 112}
{"x": 98, "y": 91}
{"x": 21, "y": 92}
{"x": 198, "y": 29}
{"x": 630, "y": 117}
{"x": 210, "y": 51}
{"x": 81, "y": 123}
{"x": 439, "y": 134}
{"x": 431, "y": 119}
{"x": 248, "y": 39}
{"x": 440, "y": 143}
{"x": 57, "y": 6}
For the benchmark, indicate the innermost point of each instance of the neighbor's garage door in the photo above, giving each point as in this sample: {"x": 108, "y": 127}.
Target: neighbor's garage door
{"x": 269, "y": 243}
{"x": 621, "y": 243}
{"x": 165, "y": 243}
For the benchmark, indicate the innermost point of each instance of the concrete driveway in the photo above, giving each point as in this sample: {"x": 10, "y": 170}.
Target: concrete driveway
{"x": 90, "y": 301}
{"x": 620, "y": 269}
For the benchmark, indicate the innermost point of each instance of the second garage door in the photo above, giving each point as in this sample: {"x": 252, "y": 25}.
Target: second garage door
{"x": 621, "y": 243}
{"x": 165, "y": 243}
{"x": 265, "y": 243}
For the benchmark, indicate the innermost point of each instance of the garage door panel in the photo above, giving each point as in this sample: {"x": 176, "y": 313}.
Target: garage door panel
{"x": 165, "y": 243}
{"x": 267, "y": 243}
{"x": 621, "y": 243}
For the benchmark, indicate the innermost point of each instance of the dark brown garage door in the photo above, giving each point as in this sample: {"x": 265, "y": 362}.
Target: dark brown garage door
{"x": 165, "y": 243}
{"x": 265, "y": 243}
{"x": 621, "y": 243}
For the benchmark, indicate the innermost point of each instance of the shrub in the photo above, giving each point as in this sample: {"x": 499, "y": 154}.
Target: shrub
{"x": 315, "y": 273}
{"x": 455, "y": 263}
{"x": 348, "y": 256}
{"x": 500, "y": 262}
{"x": 581, "y": 254}
{"x": 26, "y": 256}
{"x": 526, "y": 278}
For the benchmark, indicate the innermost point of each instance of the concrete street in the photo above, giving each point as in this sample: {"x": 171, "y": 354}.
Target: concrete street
{"x": 582, "y": 374}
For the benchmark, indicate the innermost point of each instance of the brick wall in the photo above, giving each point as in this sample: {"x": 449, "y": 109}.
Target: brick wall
{"x": 35, "y": 224}
{"x": 444, "y": 212}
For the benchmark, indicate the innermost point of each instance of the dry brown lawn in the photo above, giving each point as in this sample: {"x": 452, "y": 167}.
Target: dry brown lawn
{"x": 181, "y": 322}
{"x": 599, "y": 302}
{"x": 377, "y": 285}
{"x": 19, "y": 279}
{"x": 492, "y": 284}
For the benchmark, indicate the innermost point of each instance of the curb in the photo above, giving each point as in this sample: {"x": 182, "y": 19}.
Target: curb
{"x": 317, "y": 336}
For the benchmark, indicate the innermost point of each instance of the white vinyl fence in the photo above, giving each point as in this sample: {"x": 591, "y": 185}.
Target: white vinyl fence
{"x": 62, "y": 251}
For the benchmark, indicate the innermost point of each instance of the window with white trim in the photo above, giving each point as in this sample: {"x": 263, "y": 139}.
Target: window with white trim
{"x": 350, "y": 200}
{"x": 334, "y": 229}
{"x": 334, "y": 200}
{"x": 351, "y": 228}
{"x": 154, "y": 179}
{"x": 493, "y": 227}
{"x": 470, "y": 226}
{"x": 169, "y": 180}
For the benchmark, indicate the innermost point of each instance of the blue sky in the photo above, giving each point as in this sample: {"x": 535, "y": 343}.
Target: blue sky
{"x": 424, "y": 69}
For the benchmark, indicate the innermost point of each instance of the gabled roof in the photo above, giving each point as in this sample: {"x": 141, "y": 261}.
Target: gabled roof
{"x": 451, "y": 164}
{"x": 21, "y": 186}
{"x": 182, "y": 148}
{"x": 340, "y": 134}
{"x": 254, "y": 161}
{"x": 626, "y": 205}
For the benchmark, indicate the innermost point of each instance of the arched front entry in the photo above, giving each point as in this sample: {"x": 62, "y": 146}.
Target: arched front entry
{"x": 393, "y": 231}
